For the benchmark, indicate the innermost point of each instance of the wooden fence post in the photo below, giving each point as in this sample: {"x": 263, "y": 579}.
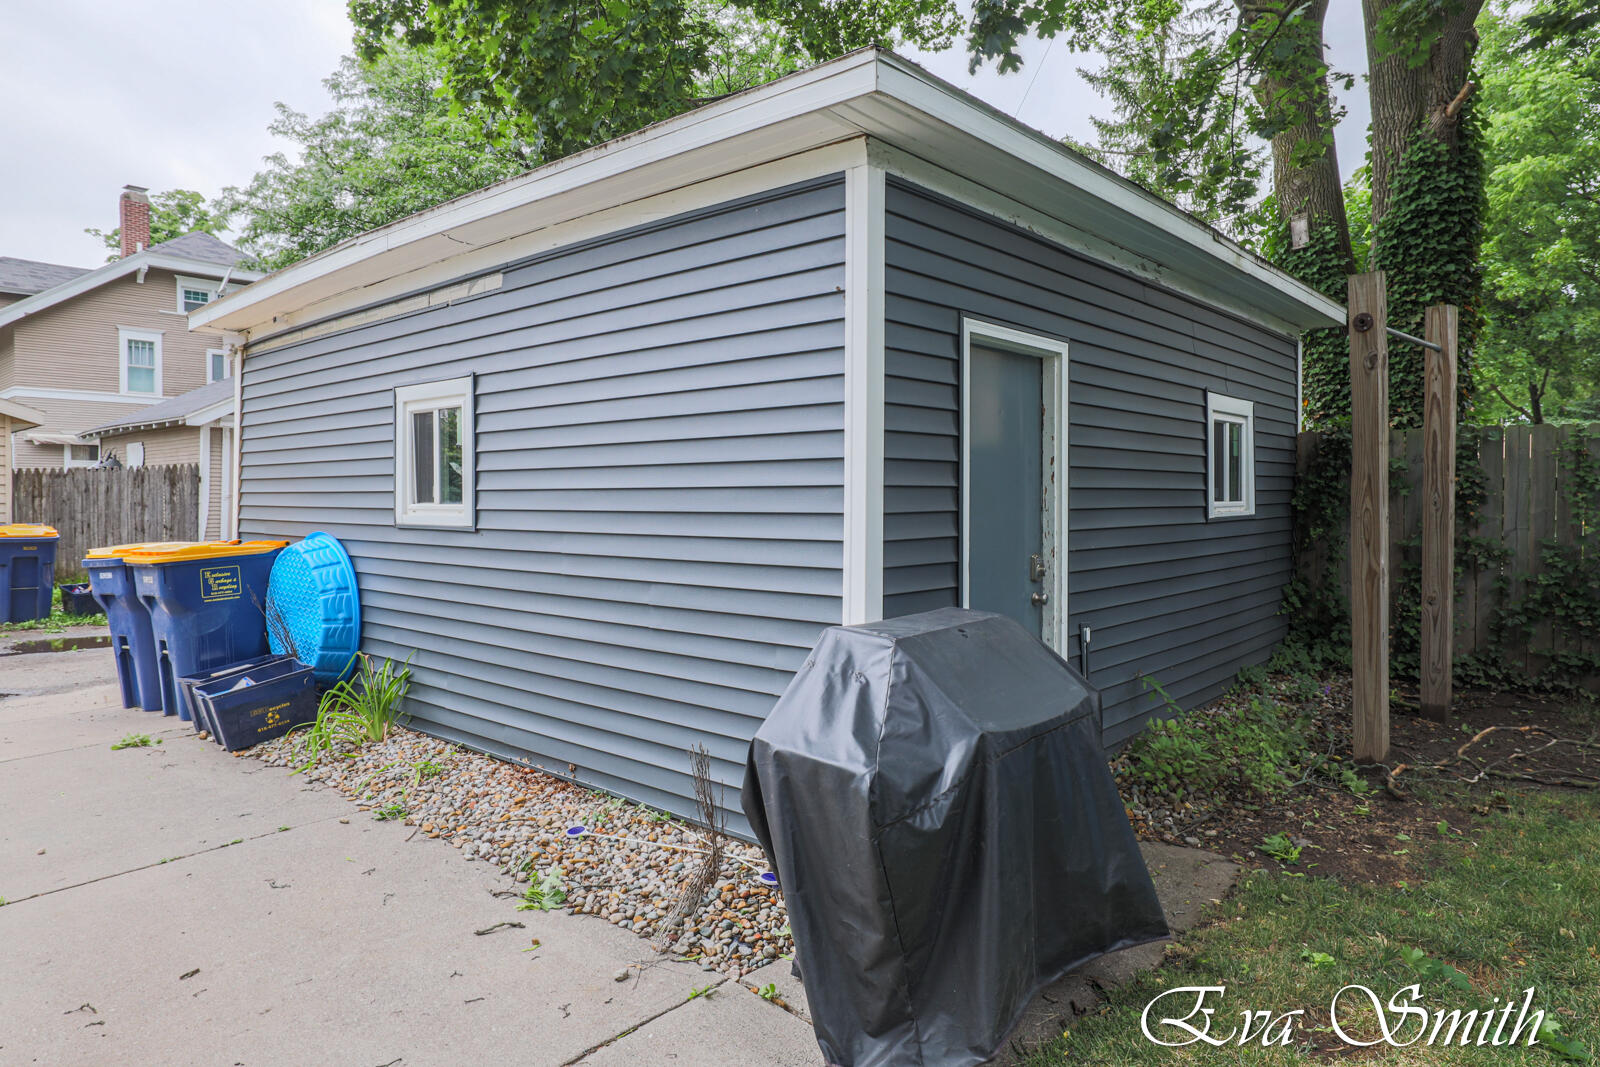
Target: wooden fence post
{"x": 1369, "y": 515}
{"x": 1438, "y": 511}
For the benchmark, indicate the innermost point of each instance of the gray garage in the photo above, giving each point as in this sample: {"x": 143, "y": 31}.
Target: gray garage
{"x": 612, "y": 442}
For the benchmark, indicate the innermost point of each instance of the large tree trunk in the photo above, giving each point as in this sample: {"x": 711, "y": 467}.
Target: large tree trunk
{"x": 1305, "y": 164}
{"x": 1404, "y": 97}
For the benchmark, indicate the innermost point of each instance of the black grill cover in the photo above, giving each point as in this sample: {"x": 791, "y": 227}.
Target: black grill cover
{"x": 934, "y": 795}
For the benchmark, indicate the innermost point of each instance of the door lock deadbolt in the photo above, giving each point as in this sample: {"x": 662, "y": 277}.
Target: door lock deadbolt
{"x": 1036, "y": 568}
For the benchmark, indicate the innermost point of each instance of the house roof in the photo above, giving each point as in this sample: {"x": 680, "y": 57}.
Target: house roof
{"x": 29, "y": 276}
{"x": 193, "y": 253}
{"x": 869, "y": 93}
{"x": 201, "y": 247}
{"x": 194, "y": 408}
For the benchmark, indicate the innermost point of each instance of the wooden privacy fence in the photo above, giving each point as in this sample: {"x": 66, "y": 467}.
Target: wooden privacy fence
{"x": 93, "y": 507}
{"x": 1507, "y": 541}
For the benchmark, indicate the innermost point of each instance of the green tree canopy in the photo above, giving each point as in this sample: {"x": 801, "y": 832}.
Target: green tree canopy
{"x": 390, "y": 147}
{"x": 1540, "y": 352}
{"x": 172, "y": 214}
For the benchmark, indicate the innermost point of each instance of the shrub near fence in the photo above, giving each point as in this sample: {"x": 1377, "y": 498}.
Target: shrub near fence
{"x": 1527, "y": 589}
{"x": 93, "y": 507}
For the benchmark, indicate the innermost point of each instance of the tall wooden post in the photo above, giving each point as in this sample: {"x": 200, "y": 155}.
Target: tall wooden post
{"x": 1438, "y": 511}
{"x": 1369, "y": 515}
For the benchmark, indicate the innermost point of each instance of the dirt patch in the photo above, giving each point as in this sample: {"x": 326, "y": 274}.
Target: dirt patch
{"x": 1440, "y": 780}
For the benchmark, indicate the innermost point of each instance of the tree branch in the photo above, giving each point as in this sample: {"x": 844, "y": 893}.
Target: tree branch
{"x": 1512, "y": 404}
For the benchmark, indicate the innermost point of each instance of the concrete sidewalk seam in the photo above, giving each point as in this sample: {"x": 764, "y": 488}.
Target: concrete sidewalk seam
{"x": 641, "y": 1024}
{"x": 80, "y": 748}
{"x": 170, "y": 859}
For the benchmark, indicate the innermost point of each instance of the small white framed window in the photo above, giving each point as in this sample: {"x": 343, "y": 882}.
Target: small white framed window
{"x": 139, "y": 361}
{"x": 81, "y": 455}
{"x": 216, "y": 364}
{"x": 434, "y": 469}
{"x": 194, "y": 293}
{"x": 1230, "y": 456}
{"x": 135, "y": 454}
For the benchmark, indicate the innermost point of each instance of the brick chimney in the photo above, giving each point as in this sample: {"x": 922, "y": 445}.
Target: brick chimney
{"x": 133, "y": 211}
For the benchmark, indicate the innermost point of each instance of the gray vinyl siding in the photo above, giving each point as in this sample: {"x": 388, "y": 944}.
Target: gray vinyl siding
{"x": 659, "y": 421}
{"x": 1168, "y": 593}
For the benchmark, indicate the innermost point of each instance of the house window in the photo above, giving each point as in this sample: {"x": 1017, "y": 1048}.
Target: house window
{"x": 434, "y": 457}
{"x": 141, "y": 361}
{"x": 216, "y": 365}
{"x": 1230, "y": 462}
{"x": 194, "y": 293}
{"x": 82, "y": 455}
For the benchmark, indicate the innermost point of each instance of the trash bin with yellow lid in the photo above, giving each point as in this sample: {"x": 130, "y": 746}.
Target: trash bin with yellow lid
{"x": 132, "y": 641}
{"x": 207, "y": 607}
{"x": 27, "y": 570}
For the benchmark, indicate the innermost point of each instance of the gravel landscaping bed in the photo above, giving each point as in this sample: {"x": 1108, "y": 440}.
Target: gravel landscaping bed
{"x": 628, "y": 868}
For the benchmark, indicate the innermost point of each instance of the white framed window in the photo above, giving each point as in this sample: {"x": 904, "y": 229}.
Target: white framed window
{"x": 140, "y": 361}
{"x": 1230, "y": 456}
{"x": 134, "y": 454}
{"x": 195, "y": 292}
{"x": 434, "y": 469}
{"x": 216, "y": 364}
{"x": 81, "y": 455}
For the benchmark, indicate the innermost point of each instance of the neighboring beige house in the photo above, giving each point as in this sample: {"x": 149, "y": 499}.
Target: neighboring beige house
{"x": 88, "y": 347}
{"x": 196, "y": 427}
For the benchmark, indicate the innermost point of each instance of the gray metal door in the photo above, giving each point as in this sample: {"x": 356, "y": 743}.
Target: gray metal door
{"x": 1005, "y": 491}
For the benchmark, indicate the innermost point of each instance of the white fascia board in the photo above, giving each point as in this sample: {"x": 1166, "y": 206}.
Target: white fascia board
{"x": 884, "y": 97}
{"x": 83, "y": 283}
{"x": 208, "y": 415}
{"x": 1150, "y": 222}
{"x": 451, "y": 224}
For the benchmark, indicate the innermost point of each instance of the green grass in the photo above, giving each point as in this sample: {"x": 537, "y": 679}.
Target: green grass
{"x": 1513, "y": 909}
{"x": 56, "y": 621}
{"x": 134, "y": 741}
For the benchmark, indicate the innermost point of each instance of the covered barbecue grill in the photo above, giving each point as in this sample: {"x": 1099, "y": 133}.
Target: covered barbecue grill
{"x": 933, "y": 793}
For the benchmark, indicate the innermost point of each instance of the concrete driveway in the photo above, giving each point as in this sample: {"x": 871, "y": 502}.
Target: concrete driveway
{"x": 175, "y": 905}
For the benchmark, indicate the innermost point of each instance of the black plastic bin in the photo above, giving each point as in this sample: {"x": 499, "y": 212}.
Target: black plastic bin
{"x": 76, "y": 599}
{"x": 187, "y": 682}
{"x": 266, "y": 701}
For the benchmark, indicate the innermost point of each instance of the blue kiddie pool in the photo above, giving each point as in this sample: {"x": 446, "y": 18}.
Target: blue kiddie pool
{"x": 316, "y": 608}
{"x": 206, "y": 608}
{"x": 133, "y": 643}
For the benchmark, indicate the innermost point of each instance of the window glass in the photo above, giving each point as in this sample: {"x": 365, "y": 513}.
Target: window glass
{"x": 422, "y": 457}
{"x": 1219, "y": 434}
{"x": 1235, "y": 456}
{"x": 141, "y": 366}
{"x": 219, "y": 366}
{"x": 450, "y": 455}
{"x": 193, "y": 298}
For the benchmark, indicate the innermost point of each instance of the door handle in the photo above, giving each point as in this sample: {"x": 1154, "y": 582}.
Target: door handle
{"x": 1040, "y": 598}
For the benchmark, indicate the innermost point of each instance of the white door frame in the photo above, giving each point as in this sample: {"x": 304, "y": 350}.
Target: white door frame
{"x": 1053, "y": 352}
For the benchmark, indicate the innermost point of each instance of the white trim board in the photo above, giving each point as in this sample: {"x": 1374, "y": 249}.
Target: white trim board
{"x": 88, "y": 395}
{"x": 863, "y": 394}
{"x": 867, "y": 92}
{"x": 1053, "y": 351}
{"x": 136, "y": 264}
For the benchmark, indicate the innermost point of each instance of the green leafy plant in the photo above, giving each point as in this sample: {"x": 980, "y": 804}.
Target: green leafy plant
{"x": 1431, "y": 970}
{"x": 359, "y": 709}
{"x": 1281, "y": 848}
{"x": 768, "y": 992}
{"x": 133, "y": 741}
{"x": 390, "y": 811}
{"x": 703, "y": 991}
{"x": 545, "y": 893}
{"x": 1316, "y": 959}
{"x": 423, "y": 770}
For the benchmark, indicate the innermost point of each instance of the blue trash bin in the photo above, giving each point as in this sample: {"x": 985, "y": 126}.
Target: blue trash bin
{"x": 132, "y": 641}
{"x": 206, "y": 607}
{"x": 197, "y": 710}
{"x": 27, "y": 570}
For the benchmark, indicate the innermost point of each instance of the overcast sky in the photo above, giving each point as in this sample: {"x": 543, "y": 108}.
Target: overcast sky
{"x": 178, "y": 93}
